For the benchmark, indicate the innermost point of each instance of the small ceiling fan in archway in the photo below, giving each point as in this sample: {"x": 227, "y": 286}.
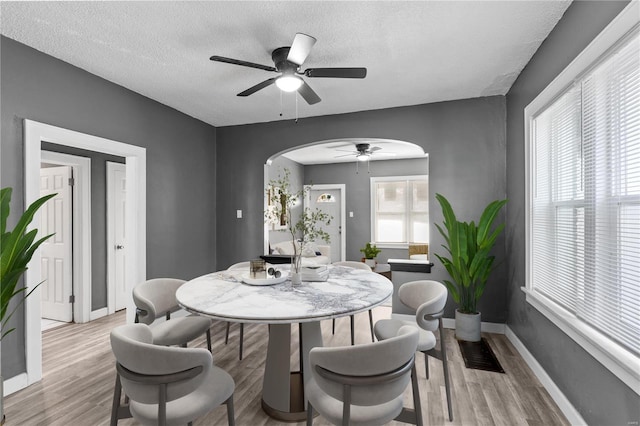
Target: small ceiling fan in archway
{"x": 287, "y": 62}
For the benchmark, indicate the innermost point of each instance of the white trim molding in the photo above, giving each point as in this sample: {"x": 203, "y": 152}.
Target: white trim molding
{"x": 622, "y": 363}
{"x": 556, "y": 394}
{"x": 34, "y": 134}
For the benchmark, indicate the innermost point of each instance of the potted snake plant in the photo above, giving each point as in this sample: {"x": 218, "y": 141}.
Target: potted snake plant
{"x": 17, "y": 246}
{"x": 469, "y": 262}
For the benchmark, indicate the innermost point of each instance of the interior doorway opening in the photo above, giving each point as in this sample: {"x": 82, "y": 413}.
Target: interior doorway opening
{"x": 34, "y": 134}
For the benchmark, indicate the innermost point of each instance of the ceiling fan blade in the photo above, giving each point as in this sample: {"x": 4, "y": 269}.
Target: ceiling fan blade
{"x": 242, "y": 63}
{"x": 336, "y": 72}
{"x": 375, "y": 148}
{"x": 300, "y": 48}
{"x": 346, "y": 155}
{"x": 259, "y": 86}
{"x": 308, "y": 94}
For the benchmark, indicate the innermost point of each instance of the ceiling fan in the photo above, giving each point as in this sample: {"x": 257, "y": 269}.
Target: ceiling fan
{"x": 287, "y": 61}
{"x": 363, "y": 152}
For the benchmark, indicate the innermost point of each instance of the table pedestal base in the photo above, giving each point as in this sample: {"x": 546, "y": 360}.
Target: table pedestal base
{"x": 282, "y": 390}
{"x": 297, "y": 408}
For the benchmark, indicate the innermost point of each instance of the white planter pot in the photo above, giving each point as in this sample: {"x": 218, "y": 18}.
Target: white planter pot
{"x": 468, "y": 326}
{"x": 370, "y": 262}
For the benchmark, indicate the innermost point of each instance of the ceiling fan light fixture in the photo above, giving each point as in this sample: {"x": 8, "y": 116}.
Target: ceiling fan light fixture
{"x": 288, "y": 83}
{"x": 363, "y": 157}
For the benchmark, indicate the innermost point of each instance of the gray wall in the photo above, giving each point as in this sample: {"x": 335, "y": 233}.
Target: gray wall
{"x": 98, "y": 217}
{"x": 466, "y": 145}
{"x": 358, "y": 196}
{"x": 181, "y": 159}
{"x": 599, "y": 396}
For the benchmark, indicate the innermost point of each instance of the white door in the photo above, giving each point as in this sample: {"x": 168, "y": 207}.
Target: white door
{"x": 116, "y": 238}
{"x": 330, "y": 202}
{"x": 56, "y": 252}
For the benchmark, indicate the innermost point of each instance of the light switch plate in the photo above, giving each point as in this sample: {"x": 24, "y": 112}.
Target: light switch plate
{"x": 239, "y": 214}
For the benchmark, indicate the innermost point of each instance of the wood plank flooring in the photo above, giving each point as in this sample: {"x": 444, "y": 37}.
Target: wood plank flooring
{"x": 79, "y": 375}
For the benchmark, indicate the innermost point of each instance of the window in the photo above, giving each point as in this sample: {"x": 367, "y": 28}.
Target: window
{"x": 583, "y": 213}
{"x": 399, "y": 210}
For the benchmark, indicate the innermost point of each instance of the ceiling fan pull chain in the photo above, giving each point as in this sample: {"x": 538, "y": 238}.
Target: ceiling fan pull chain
{"x": 296, "y": 108}
{"x": 281, "y": 103}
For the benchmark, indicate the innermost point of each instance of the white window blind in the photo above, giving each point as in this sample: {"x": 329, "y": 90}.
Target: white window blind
{"x": 585, "y": 199}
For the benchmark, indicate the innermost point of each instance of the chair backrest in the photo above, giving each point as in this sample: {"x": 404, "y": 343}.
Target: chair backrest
{"x": 240, "y": 265}
{"x": 132, "y": 347}
{"x": 353, "y": 264}
{"x": 426, "y": 297}
{"x": 154, "y": 298}
{"x": 363, "y": 366}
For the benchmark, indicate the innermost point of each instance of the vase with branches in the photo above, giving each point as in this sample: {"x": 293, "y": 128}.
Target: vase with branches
{"x": 282, "y": 197}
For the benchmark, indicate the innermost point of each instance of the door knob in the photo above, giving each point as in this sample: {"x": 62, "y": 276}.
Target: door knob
{"x": 119, "y": 247}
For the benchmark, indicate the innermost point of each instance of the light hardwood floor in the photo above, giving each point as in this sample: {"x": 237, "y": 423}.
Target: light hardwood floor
{"x": 79, "y": 375}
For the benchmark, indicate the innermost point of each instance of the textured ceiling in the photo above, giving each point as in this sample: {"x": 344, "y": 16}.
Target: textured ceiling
{"x": 415, "y": 52}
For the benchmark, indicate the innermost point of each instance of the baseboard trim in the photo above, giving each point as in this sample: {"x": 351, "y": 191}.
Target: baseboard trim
{"x": 15, "y": 384}
{"x": 98, "y": 313}
{"x": 556, "y": 394}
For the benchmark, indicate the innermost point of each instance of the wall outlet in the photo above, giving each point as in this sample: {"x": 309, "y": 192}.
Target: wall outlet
{"x": 239, "y": 214}
{"x": 350, "y": 214}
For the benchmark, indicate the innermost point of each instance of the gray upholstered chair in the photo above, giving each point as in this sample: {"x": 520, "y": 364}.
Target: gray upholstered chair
{"x": 165, "y": 385}
{"x": 365, "y": 267}
{"x": 428, "y": 299}
{"x": 364, "y": 384}
{"x": 157, "y": 298}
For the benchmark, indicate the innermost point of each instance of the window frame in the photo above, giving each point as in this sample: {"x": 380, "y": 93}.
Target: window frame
{"x": 407, "y": 213}
{"x": 617, "y": 359}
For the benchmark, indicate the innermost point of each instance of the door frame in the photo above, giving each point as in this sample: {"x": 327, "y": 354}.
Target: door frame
{"x": 111, "y": 217}
{"x": 34, "y": 134}
{"x": 81, "y": 222}
{"x": 343, "y": 210}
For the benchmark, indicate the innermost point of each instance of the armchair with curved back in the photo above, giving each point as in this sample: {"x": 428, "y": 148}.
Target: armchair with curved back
{"x": 156, "y": 298}
{"x": 364, "y": 384}
{"x": 364, "y": 267}
{"x": 165, "y": 385}
{"x": 428, "y": 298}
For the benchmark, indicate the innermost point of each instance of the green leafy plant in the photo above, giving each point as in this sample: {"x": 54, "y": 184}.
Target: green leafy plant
{"x": 370, "y": 251}
{"x": 282, "y": 198}
{"x": 470, "y": 262}
{"x": 16, "y": 249}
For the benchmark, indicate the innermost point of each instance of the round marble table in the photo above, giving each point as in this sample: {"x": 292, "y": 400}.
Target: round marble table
{"x": 222, "y": 295}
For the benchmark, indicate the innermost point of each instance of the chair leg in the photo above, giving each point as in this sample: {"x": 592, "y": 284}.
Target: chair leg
{"x": 333, "y": 327}
{"x": 162, "y": 405}
{"x": 241, "y": 339}
{"x": 352, "y": 330}
{"x": 226, "y": 337}
{"x": 445, "y": 368}
{"x": 209, "y": 339}
{"x": 426, "y": 365}
{"x": 416, "y": 395}
{"x": 231, "y": 418}
{"x": 371, "y": 324}
{"x": 310, "y": 413}
{"x": 117, "y": 393}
